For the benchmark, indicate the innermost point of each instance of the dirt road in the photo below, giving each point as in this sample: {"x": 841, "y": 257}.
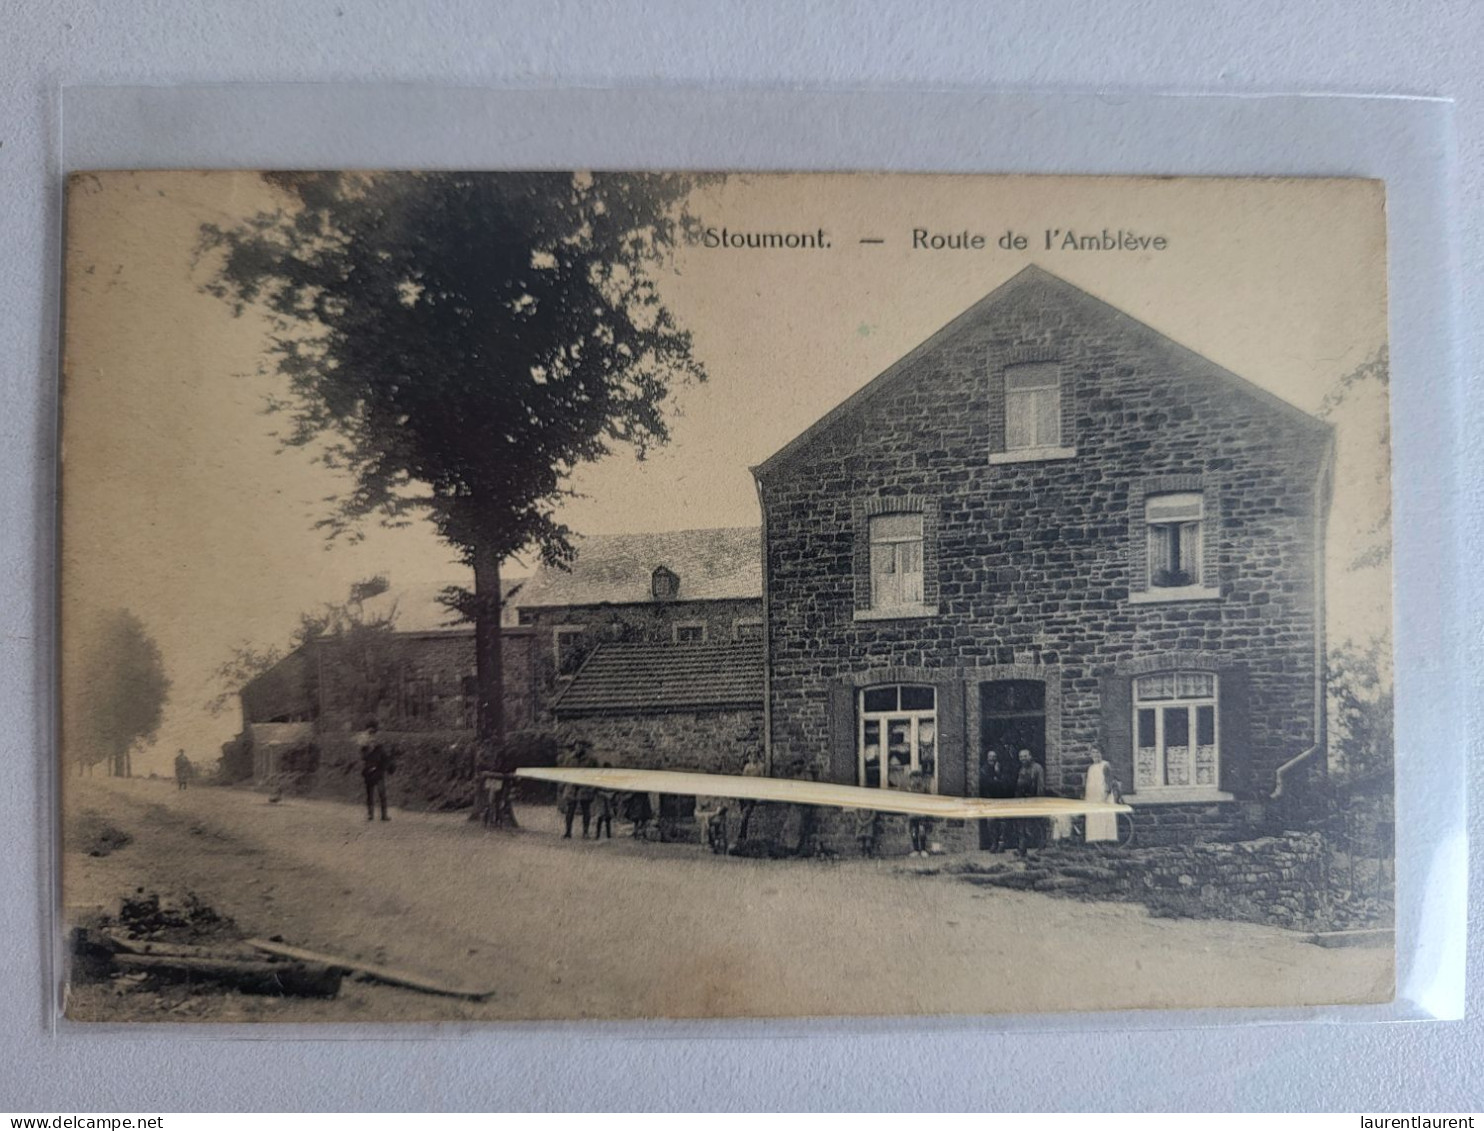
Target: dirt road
{"x": 623, "y": 929}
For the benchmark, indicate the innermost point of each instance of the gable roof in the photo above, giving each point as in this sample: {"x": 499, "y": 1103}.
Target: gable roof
{"x": 615, "y": 569}
{"x": 417, "y": 608}
{"x": 656, "y": 678}
{"x": 1033, "y": 284}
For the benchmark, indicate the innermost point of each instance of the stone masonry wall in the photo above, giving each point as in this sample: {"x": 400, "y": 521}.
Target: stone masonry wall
{"x": 1279, "y": 879}
{"x": 713, "y": 742}
{"x": 1035, "y": 562}
{"x": 429, "y": 669}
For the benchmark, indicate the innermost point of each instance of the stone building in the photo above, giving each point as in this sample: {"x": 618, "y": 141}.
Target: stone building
{"x": 651, "y": 647}
{"x": 674, "y": 587}
{"x": 1051, "y": 527}
{"x": 677, "y": 617}
{"x": 416, "y": 679}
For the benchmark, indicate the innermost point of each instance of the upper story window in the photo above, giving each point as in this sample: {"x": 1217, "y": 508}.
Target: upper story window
{"x": 896, "y": 561}
{"x": 690, "y": 632}
{"x": 1033, "y": 406}
{"x": 1175, "y": 731}
{"x": 664, "y": 585}
{"x": 1173, "y": 525}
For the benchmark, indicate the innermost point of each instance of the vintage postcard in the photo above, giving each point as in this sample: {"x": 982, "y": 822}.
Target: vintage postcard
{"x": 500, "y": 596}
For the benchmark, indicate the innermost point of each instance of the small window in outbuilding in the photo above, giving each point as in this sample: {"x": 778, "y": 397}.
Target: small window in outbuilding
{"x": 664, "y": 585}
{"x": 747, "y": 628}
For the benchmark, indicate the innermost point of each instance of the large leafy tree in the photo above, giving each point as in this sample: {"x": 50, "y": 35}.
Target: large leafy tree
{"x": 458, "y": 343}
{"x": 119, "y": 696}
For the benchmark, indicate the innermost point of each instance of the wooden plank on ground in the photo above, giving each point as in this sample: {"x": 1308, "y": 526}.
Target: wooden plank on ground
{"x": 298, "y": 979}
{"x": 387, "y": 974}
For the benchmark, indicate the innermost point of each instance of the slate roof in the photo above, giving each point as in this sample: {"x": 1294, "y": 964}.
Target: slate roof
{"x": 1034, "y": 284}
{"x": 419, "y": 610}
{"x": 656, "y": 678}
{"x": 712, "y": 565}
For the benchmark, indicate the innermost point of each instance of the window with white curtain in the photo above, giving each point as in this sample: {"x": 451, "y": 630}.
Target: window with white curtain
{"x": 1174, "y": 522}
{"x": 1175, "y": 733}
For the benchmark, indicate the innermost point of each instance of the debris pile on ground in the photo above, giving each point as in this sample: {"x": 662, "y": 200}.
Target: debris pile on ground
{"x": 161, "y": 947}
{"x": 95, "y": 836}
{"x": 191, "y": 920}
{"x": 153, "y": 943}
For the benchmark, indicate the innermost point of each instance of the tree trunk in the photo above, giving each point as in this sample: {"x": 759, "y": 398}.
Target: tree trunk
{"x": 489, "y": 674}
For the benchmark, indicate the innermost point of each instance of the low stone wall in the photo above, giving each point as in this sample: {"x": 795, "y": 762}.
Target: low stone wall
{"x": 1281, "y": 879}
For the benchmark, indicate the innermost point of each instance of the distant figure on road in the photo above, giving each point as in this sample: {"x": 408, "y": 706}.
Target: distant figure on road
{"x": 376, "y": 764}
{"x": 182, "y": 770}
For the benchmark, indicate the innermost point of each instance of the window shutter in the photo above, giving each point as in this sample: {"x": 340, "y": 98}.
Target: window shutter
{"x": 1234, "y": 729}
{"x": 952, "y": 756}
{"x": 1118, "y": 728}
{"x": 842, "y": 767}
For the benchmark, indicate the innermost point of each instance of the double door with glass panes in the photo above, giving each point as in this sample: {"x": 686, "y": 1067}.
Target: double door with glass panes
{"x": 898, "y": 737}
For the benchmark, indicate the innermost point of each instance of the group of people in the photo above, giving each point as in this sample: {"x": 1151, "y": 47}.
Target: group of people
{"x": 1000, "y": 777}
{"x": 1003, "y": 778}
{"x": 588, "y": 800}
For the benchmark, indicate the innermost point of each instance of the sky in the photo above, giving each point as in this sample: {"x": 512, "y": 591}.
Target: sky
{"x": 179, "y": 504}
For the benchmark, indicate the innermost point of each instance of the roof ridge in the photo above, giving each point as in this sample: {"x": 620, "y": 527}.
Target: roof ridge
{"x": 1031, "y": 273}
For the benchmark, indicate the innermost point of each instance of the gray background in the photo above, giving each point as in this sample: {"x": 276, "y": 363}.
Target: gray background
{"x": 1423, "y": 49}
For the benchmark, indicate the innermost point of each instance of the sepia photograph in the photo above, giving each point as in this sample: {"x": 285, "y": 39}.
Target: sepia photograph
{"x": 498, "y": 596}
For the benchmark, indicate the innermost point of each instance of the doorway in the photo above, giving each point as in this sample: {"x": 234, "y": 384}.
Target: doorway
{"x": 1012, "y": 717}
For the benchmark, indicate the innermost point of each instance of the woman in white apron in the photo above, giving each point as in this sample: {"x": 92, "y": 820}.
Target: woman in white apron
{"x": 1099, "y": 787}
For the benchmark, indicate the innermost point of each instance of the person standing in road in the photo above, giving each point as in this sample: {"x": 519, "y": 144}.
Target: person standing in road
{"x": 605, "y": 801}
{"x": 752, "y": 768}
{"x": 576, "y": 797}
{"x": 1030, "y": 782}
{"x": 182, "y": 770}
{"x": 376, "y": 766}
{"x": 997, "y": 774}
{"x": 918, "y": 827}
